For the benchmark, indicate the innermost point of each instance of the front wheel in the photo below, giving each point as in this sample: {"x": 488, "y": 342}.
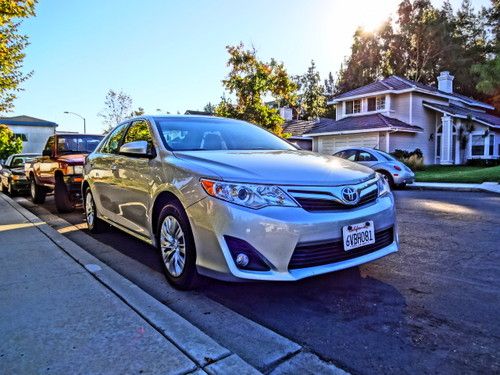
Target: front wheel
{"x": 10, "y": 190}
{"x": 37, "y": 192}
{"x": 176, "y": 244}
{"x": 5, "y": 190}
{"x": 62, "y": 198}
{"x": 95, "y": 225}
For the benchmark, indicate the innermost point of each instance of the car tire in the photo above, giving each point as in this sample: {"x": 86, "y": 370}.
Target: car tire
{"x": 62, "y": 198}
{"x": 38, "y": 193}
{"x": 388, "y": 178}
{"x": 402, "y": 186}
{"x": 5, "y": 189}
{"x": 94, "y": 224}
{"x": 177, "y": 247}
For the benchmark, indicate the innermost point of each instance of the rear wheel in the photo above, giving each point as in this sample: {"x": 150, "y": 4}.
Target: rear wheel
{"x": 176, "y": 244}
{"x": 94, "y": 224}
{"x": 61, "y": 197}
{"x": 37, "y": 192}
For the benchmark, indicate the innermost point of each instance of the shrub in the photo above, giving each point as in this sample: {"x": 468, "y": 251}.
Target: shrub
{"x": 413, "y": 159}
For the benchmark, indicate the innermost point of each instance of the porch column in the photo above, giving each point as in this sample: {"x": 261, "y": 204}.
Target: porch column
{"x": 446, "y": 140}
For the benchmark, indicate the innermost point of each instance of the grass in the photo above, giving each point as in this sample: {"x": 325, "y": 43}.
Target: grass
{"x": 458, "y": 173}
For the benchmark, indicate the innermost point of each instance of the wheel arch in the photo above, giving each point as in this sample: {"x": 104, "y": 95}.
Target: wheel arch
{"x": 160, "y": 201}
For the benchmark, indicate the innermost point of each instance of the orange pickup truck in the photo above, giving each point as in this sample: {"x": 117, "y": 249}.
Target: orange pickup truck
{"x": 60, "y": 169}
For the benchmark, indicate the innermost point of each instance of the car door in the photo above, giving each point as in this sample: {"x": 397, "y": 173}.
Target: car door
{"x": 366, "y": 158}
{"x": 101, "y": 172}
{"x": 135, "y": 178}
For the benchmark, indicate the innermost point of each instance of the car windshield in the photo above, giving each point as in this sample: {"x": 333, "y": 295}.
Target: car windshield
{"x": 192, "y": 134}
{"x": 76, "y": 144}
{"x": 18, "y": 161}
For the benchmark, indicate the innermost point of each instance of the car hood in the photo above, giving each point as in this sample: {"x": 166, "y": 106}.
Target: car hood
{"x": 72, "y": 158}
{"x": 286, "y": 167}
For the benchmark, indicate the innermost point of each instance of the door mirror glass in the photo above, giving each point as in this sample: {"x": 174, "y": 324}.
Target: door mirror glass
{"x": 136, "y": 148}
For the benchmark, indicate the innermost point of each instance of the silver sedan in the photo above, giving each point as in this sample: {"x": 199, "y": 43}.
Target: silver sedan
{"x": 396, "y": 172}
{"x": 227, "y": 199}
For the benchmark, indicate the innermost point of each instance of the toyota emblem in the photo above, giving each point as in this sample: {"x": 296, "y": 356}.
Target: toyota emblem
{"x": 350, "y": 195}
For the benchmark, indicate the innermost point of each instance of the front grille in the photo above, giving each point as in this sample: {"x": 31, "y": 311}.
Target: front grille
{"x": 318, "y": 204}
{"x": 310, "y": 254}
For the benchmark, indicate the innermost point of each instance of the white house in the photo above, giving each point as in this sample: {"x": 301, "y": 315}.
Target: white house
{"x": 396, "y": 113}
{"x": 33, "y": 131}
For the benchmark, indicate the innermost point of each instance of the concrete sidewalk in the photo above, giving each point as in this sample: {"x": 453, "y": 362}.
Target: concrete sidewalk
{"x": 59, "y": 315}
{"x": 491, "y": 187}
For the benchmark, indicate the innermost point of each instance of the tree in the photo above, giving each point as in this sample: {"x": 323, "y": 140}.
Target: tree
{"x": 489, "y": 80}
{"x": 137, "y": 112}
{"x": 312, "y": 102}
{"x": 117, "y": 108}
{"x": 12, "y": 45}
{"x": 9, "y": 143}
{"x": 209, "y": 108}
{"x": 250, "y": 81}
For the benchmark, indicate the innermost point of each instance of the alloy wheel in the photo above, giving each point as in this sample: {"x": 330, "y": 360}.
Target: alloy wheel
{"x": 173, "y": 246}
{"x": 89, "y": 209}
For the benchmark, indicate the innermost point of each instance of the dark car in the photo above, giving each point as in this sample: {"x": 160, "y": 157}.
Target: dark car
{"x": 12, "y": 177}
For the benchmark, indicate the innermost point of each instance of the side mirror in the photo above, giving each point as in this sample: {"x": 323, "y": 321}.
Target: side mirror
{"x": 137, "y": 149}
{"x": 46, "y": 153}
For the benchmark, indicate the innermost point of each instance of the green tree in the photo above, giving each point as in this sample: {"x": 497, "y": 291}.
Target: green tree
{"x": 117, "y": 106}
{"x": 489, "y": 80}
{"x": 312, "y": 102}
{"x": 137, "y": 112}
{"x": 12, "y": 45}
{"x": 251, "y": 80}
{"x": 209, "y": 108}
{"x": 9, "y": 143}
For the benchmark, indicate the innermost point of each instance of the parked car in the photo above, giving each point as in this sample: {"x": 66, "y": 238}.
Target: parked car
{"x": 12, "y": 177}
{"x": 60, "y": 169}
{"x": 227, "y": 199}
{"x": 396, "y": 172}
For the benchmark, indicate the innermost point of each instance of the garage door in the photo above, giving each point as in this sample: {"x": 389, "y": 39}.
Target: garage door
{"x": 331, "y": 144}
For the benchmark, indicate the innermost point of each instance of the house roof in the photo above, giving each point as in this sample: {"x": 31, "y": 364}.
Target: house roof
{"x": 461, "y": 112}
{"x": 355, "y": 124}
{"x": 26, "y": 121}
{"x": 395, "y": 84}
{"x": 298, "y": 127}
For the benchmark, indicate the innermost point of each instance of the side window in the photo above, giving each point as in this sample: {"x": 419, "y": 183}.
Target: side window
{"x": 366, "y": 156}
{"x": 113, "y": 143}
{"x": 350, "y": 155}
{"x": 139, "y": 131}
{"x": 49, "y": 146}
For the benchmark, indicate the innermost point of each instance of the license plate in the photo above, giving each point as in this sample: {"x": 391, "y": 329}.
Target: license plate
{"x": 358, "y": 235}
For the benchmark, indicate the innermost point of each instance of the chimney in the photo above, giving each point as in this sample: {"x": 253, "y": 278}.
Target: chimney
{"x": 445, "y": 82}
{"x": 286, "y": 113}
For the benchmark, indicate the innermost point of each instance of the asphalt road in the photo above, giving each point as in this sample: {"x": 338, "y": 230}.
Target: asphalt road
{"x": 433, "y": 307}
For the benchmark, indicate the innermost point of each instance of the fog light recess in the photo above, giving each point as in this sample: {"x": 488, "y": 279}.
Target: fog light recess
{"x": 245, "y": 256}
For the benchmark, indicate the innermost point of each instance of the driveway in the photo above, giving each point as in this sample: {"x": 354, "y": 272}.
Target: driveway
{"x": 431, "y": 308}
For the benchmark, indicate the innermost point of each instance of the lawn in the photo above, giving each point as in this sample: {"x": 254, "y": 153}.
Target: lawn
{"x": 458, "y": 173}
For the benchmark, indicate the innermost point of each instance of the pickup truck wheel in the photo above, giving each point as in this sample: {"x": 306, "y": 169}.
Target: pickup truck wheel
{"x": 176, "y": 244}
{"x": 62, "y": 198}
{"x": 37, "y": 192}
{"x": 94, "y": 224}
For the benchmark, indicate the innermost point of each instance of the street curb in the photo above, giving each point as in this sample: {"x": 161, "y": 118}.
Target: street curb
{"x": 195, "y": 344}
{"x": 484, "y": 187}
{"x": 443, "y": 188}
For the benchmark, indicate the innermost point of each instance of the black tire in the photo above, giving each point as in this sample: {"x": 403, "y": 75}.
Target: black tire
{"x": 402, "y": 186}
{"x": 5, "y": 189}
{"x": 95, "y": 225}
{"x": 189, "y": 277}
{"x": 62, "y": 198}
{"x": 388, "y": 177}
{"x": 38, "y": 193}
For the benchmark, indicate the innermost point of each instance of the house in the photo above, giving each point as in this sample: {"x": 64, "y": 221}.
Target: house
{"x": 397, "y": 113}
{"x": 33, "y": 131}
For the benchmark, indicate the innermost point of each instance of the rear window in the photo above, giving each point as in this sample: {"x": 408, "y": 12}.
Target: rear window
{"x": 75, "y": 144}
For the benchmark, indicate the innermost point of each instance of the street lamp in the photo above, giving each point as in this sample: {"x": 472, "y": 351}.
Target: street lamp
{"x": 83, "y": 118}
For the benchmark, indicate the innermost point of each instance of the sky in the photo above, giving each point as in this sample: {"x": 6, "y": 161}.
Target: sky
{"x": 170, "y": 55}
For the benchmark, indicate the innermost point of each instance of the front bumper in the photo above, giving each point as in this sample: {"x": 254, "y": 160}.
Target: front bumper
{"x": 20, "y": 185}
{"x": 275, "y": 232}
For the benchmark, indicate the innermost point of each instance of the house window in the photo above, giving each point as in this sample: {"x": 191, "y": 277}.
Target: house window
{"x": 22, "y": 136}
{"x": 376, "y": 103}
{"x": 380, "y": 103}
{"x": 492, "y": 145}
{"x": 352, "y": 106}
{"x": 477, "y": 145}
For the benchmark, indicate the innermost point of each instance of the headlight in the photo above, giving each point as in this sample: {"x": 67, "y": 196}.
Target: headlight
{"x": 383, "y": 185}
{"x": 74, "y": 169}
{"x": 248, "y": 195}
